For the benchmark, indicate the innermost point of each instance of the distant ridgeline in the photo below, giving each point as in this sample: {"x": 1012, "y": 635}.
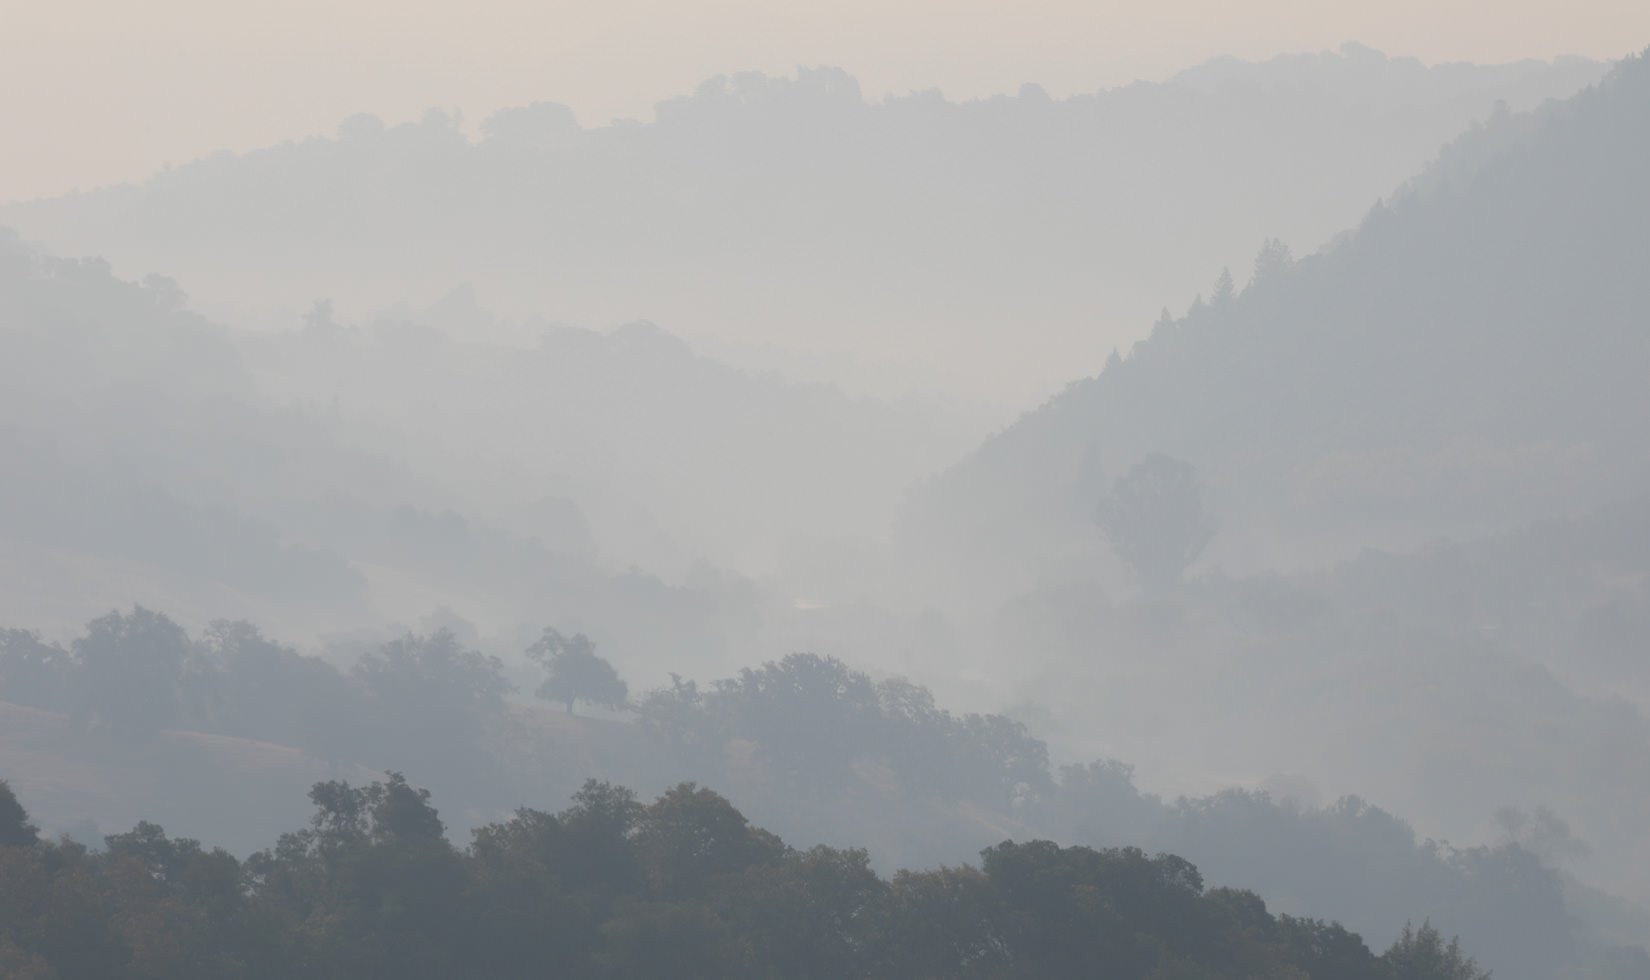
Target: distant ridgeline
{"x": 682, "y": 887}
{"x": 796, "y": 212}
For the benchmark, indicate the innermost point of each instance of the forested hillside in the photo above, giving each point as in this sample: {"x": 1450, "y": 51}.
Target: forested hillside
{"x": 1372, "y": 523}
{"x": 208, "y": 732}
{"x": 505, "y": 462}
{"x": 609, "y": 887}
{"x": 1469, "y": 358}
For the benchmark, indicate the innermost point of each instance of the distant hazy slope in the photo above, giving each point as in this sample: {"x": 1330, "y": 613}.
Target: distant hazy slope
{"x": 988, "y": 247}
{"x": 1475, "y": 354}
{"x": 674, "y": 457}
{"x": 138, "y": 462}
{"x": 142, "y": 461}
{"x": 335, "y": 475}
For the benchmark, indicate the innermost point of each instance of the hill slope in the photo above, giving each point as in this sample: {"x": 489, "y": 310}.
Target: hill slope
{"x": 340, "y": 476}
{"x": 1472, "y": 356}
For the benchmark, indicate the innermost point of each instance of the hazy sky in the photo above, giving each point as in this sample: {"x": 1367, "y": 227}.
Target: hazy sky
{"x": 93, "y": 91}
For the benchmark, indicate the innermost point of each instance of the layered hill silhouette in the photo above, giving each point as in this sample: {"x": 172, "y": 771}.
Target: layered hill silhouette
{"x": 804, "y": 225}
{"x": 1471, "y": 357}
{"x": 338, "y": 475}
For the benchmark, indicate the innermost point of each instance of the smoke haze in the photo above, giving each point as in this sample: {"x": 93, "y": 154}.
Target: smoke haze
{"x": 648, "y": 509}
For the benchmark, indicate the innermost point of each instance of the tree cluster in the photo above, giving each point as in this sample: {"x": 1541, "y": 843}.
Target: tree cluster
{"x": 812, "y": 719}
{"x": 610, "y": 887}
{"x": 136, "y": 673}
{"x": 813, "y": 748}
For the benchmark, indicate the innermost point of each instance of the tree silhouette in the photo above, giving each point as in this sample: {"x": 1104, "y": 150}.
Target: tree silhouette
{"x": 15, "y": 828}
{"x": 1225, "y": 289}
{"x": 429, "y": 699}
{"x": 1274, "y": 258}
{"x": 1157, "y": 519}
{"x": 576, "y": 672}
{"x": 32, "y": 671}
{"x": 685, "y": 886}
{"x": 1422, "y": 954}
{"x": 130, "y": 665}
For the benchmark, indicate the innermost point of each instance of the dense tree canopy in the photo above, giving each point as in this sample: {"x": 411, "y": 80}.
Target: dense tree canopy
{"x": 576, "y": 672}
{"x": 131, "y": 665}
{"x": 815, "y": 749}
{"x": 812, "y": 719}
{"x": 681, "y": 887}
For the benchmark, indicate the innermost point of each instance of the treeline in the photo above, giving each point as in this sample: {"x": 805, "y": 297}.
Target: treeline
{"x": 824, "y": 751}
{"x": 810, "y": 747}
{"x": 812, "y": 719}
{"x": 610, "y": 887}
{"x": 136, "y": 673}
{"x": 431, "y": 701}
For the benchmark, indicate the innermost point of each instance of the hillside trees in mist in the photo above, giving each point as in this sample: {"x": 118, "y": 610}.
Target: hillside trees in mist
{"x": 1408, "y": 381}
{"x": 1447, "y": 684}
{"x": 1158, "y": 519}
{"x": 683, "y": 886}
{"x": 432, "y": 700}
{"x": 1273, "y": 259}
{"x": 1513, "y": 905}
{"x": 1425, "y": 441}
{"x": 130, "y": 668}
{"x": 1465, "y": 359}
{"x": 576, "y": 672}
{"x": 134, "y": 673}
{"x": 258, "y": 688}
{"x": 1424, "y": 952}
{"x": 824, "y": 752}
{"x": 812, "y": 719}
{"x": 33, "y": 671}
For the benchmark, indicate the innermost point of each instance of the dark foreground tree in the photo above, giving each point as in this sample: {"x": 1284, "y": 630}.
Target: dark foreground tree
{"x": 609, "y": 888}
{"x": 576, "y": 672}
